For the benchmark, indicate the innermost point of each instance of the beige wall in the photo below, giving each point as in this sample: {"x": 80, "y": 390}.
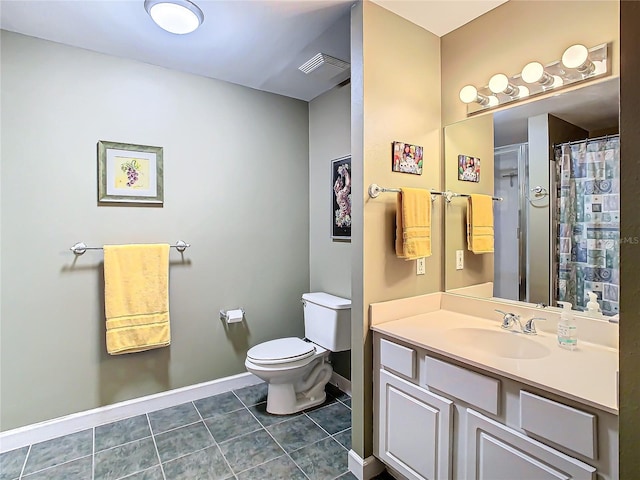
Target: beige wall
{"x": 400, "y": 101}
{"x": 630, "y": 249}
{"x": 517, "y": 32}
{"x": 235, "y": 163}
{"x": 472, "y": 137}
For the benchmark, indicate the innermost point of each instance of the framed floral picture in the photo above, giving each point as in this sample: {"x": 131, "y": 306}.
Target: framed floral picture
{"x": 129, "y": 174}
{"x": 341, "y": 198}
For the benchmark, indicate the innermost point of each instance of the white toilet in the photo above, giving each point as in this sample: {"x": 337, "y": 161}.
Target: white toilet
{"x": 296, "y": 369}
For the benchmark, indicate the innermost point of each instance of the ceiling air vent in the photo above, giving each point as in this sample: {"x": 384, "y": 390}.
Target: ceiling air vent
{"x": 324, "y": 65}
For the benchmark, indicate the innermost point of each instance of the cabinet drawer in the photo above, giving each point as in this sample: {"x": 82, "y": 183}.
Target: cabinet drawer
{"x": 558, "y": 423}
{"x": 473, "y": 388}
{"x": 495, "y": 451}
{"x": 398, "y": 358}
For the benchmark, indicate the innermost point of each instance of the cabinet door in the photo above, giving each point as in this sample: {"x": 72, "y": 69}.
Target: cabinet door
{"x": 496, "y": 452}
{"x": 414, "y": 430}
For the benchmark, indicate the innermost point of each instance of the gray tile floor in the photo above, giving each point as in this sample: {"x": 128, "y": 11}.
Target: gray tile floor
{"x": 227, "y": 436}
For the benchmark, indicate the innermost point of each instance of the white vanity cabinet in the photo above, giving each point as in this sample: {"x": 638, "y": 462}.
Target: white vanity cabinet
{"x": 436, "y": 418}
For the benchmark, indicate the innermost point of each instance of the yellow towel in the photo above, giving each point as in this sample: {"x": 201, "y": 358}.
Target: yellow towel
{"x": 480, "y": 224}
{"x": 136, "y": 297}
{"x": 413, "y": 223}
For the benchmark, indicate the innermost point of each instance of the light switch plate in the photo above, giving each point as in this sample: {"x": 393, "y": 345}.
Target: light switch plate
{"x": 420, "y": 266}
{"x": 459, "y": 259}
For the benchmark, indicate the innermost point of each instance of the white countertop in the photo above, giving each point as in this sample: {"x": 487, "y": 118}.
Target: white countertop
{"x": 587, "y": 374}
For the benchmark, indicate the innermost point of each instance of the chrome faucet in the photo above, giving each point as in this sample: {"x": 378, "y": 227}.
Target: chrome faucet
{"x": 509, "y": 320}
{"x": 530, "y": 327}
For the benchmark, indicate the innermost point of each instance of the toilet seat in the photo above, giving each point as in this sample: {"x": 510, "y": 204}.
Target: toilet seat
{"x": 281, "y": 350}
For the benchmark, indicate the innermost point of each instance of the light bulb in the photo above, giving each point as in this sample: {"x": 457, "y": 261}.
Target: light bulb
{"x": 469, "y": 94}
{"x": 493, "y": 101}
{"x": 575, "y": 56}
{"x": 600, "y": 67}
{"x": 557, "y": 81}
{"x": 499, "y": 83}
{"x": 523, "y": 91}
{"x": 175, "y": 16}
{"x": 534, "y": 73}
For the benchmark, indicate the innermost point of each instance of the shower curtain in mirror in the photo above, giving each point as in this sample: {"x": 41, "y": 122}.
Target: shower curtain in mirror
{"x": 588, "y": 213}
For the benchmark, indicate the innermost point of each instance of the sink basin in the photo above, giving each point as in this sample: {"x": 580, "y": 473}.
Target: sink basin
{"x": 500, "y": 343}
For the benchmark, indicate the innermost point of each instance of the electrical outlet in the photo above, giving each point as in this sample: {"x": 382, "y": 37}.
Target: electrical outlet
{"x": 420, "y": 266}
{"x": 459, "y": 259}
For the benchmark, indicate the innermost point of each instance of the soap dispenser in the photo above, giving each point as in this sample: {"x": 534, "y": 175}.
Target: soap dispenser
{"x": 593, "y": 308}
{"x": 567, "y": 329}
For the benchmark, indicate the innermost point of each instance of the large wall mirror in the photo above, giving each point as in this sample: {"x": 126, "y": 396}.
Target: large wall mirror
{"x": 555, "y": 164}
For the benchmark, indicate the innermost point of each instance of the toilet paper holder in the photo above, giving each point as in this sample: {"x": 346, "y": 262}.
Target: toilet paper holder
{"x": 233, "y": 315}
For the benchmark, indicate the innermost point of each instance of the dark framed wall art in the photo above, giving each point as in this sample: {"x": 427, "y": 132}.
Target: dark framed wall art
{"x": 341, "y": 198}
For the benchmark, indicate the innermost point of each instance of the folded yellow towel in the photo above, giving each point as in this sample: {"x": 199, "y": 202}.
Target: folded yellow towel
{"x": 413, "y": 223}
{"x": 136, "y": 297}
{"x": 480, "y": 224}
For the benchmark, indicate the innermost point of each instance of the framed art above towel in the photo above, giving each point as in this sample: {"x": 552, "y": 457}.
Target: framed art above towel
{"x": 129, "y": 174}
{"x": 341, "y": 198}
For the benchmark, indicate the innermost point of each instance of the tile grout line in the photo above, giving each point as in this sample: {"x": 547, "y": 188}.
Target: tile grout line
{"x": 277, "y": 443}
{"x": 93, "y": 454}
{"x": 155, "y": 445}
{"x": 55, "y": 466}
{"x": 24, "y": 463}
{"x": 215, "y": 442}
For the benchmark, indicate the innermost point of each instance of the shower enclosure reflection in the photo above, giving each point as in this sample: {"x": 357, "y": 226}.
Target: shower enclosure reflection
{"x": 557, "y": 230}
{"x": 510, "y": 182}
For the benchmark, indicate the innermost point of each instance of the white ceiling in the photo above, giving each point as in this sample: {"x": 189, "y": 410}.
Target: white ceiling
{"x": 440, "y": 16}
{"x": 258, "y": 43}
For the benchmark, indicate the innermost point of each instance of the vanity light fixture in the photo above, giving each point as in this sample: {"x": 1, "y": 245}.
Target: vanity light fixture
{"x": 578, "y": 63}
{"x": 175, "y": 16}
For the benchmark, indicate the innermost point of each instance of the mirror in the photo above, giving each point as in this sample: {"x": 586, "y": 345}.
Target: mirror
{"x": 555, "y": 164}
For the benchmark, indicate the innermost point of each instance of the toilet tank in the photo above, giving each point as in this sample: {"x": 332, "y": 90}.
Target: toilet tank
{"x": 327, "y": 320}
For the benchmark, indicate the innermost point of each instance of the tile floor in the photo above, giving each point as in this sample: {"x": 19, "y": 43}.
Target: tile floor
{"x": 227, "y": 436}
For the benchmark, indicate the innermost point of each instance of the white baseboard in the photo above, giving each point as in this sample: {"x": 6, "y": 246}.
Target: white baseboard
{"x": 341, "y": 382}
{"x": 39, "y": 432}
{"x": 364, "y": 469}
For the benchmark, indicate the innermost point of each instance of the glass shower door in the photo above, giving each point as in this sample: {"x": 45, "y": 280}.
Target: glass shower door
{"x": 510, "y": 183}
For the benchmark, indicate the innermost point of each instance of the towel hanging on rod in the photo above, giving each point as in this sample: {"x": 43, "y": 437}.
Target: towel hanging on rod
{"x": 80, "y": 247}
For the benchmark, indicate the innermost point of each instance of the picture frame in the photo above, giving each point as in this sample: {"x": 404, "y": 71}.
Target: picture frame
{"x": 468, "y": 169}
{"x": 341, "y": 198}
{"x": 406, "y": 158}
{"x": 129, "y": 173}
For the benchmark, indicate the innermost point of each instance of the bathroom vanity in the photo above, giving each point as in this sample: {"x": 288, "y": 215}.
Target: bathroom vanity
{"x": 458, "y": 397}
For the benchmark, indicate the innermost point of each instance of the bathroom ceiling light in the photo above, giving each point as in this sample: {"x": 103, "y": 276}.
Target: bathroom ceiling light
{"x": 499, "y": 83}
{"x": 175, "y": 16}
{"x": 577, "y": 57}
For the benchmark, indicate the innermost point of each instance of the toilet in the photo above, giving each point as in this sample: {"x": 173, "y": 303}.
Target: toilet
{"x": 297, "y": 370}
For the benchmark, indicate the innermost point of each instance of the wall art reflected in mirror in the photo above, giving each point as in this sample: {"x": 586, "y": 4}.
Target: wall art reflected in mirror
{"x": 555, "y": 162}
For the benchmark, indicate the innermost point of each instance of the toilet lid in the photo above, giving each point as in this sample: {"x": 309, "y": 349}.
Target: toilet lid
{"x": 282, "y": 350}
